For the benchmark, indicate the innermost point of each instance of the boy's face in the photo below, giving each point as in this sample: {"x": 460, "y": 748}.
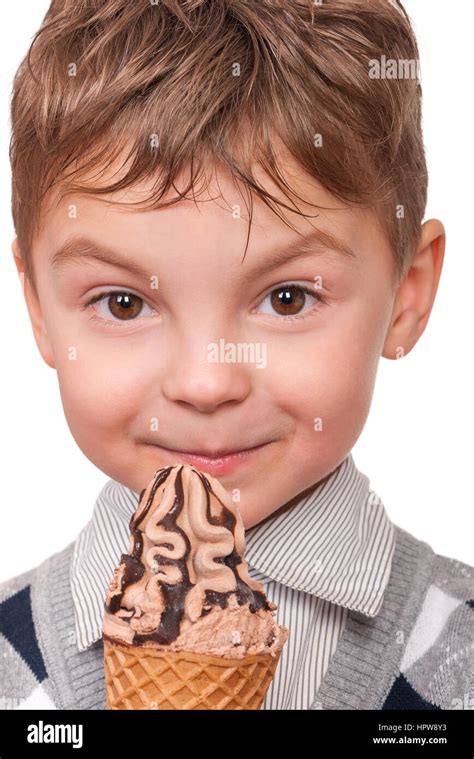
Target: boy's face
{"x": 142, "y": 387}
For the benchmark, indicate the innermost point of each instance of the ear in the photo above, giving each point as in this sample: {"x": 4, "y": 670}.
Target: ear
{"x": 417, "y": 292}
{"x": 34, "y": 308}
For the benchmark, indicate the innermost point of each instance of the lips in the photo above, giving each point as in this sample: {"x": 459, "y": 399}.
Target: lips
{"x": 215, "y": 462}
{"x": 214, "y": 455}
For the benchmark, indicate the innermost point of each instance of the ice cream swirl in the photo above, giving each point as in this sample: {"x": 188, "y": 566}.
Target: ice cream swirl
{"x": 185, "y": 560}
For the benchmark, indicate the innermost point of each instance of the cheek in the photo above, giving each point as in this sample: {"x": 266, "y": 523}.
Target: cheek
{"x": 347, "y": 392}
{"x": 100, "y": 392}
{"x": 328, "y": 377}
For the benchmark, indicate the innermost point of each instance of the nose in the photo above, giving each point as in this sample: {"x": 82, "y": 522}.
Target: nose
{"x": 192, "y": 378}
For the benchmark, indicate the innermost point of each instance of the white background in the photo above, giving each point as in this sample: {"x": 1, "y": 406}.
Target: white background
{"x": 416, "y": 447}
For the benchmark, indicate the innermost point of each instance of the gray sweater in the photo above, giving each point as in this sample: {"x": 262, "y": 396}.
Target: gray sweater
{"x": 417, "y": 653}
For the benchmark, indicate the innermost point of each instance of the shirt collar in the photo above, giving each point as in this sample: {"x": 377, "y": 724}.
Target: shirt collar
{"x": 335, "y": 542}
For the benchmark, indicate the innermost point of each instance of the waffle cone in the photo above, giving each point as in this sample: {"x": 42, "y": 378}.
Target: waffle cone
{"x": 147, "y": 678}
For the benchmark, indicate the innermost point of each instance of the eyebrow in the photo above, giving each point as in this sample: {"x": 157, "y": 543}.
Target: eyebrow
{"x": 317, "y": 242}
{"x": 78, "y": 249}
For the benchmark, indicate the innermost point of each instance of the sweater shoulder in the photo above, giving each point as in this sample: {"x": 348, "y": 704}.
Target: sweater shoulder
{"x": 437, "y": 666}
{"x": 453, "y": 576}
{"x": 13, "y": 585}
{"x": 452, "y": 682}
{"x": 24, "y": 678}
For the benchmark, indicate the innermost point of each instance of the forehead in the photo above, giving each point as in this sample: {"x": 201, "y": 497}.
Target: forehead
{"x": 218, "y": 211}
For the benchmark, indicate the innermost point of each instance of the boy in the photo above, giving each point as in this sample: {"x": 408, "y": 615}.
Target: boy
{"x": 136, "y": 127}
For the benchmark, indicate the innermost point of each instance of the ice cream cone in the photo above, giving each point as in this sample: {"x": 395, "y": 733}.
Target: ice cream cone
{"x": 185, "y": 625}
{"x": 139, "y": 677}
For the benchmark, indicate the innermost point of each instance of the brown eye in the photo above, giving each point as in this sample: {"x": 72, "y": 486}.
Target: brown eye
{"x": 117, "y": 306}
{"x": 288, "y": 300}
{"x": 124, "y": 305}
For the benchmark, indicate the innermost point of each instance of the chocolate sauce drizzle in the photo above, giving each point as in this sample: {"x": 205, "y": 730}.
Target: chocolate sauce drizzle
{"x": 175, "y": 595}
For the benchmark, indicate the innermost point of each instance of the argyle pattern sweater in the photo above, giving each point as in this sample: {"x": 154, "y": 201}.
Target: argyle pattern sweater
{"x": 417, "y": 653}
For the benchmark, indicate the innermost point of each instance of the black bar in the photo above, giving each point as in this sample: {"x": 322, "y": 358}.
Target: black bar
{"x": 307, "y": 733}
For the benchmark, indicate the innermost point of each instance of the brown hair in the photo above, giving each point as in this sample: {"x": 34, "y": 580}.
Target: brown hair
{"x": 218, "y": 80}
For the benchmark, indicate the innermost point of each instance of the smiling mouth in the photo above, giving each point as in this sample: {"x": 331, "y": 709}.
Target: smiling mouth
{"x": 218, "y": 462}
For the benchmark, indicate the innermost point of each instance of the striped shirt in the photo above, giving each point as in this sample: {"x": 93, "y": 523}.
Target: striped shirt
{"x": 330, "y": 552}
